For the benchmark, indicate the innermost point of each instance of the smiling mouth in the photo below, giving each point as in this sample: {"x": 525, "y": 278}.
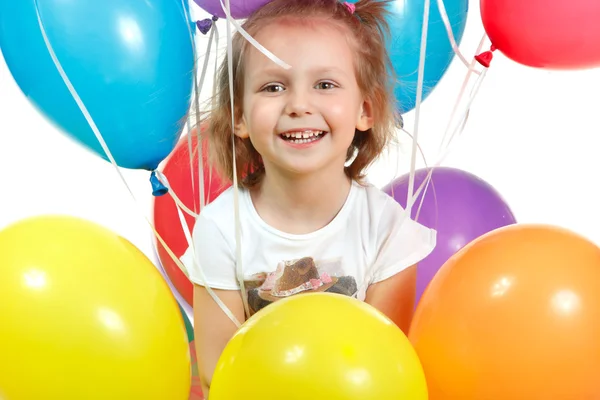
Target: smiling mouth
{"x": 302, "y": 137}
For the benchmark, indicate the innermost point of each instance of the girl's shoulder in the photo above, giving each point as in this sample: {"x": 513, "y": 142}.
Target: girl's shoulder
{"x": 218, "y": 215}
{"x": 375, "y": 200}
{"x": 222, "y": 206}
{"x": 384, "y": 213}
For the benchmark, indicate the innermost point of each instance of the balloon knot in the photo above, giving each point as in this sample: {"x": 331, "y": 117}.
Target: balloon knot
{"x": 486, "y": 57}
{"x": 158, "y": 189}
{"x": 205, "y": 25}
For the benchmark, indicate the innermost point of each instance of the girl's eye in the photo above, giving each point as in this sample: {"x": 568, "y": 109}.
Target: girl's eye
{"x": 325, "y": 85}
{"x": 272, "y": 88}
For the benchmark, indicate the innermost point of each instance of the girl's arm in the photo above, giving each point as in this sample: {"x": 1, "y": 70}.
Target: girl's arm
{"x": 395, "y": 297}
{"x": 213, "y": 329}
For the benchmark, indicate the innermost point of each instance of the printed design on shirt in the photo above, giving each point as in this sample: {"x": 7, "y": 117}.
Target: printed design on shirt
{"x": 293, "y": 277}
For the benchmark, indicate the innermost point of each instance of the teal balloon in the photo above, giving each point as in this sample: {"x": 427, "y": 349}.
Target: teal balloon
{"x": 130, "y": 61}
{"x": 404, "y": 45}
{"x": 189, "y": 328}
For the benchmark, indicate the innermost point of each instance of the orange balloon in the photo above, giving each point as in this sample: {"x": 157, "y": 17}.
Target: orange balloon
{"x": 513, "y": 315}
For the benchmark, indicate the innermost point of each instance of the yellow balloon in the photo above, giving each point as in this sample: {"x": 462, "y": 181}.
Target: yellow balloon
{"x": 85, "y": 315}
{"x": 319, "y": 346}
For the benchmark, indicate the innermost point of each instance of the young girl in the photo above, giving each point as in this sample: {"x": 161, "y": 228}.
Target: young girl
{"x": 304, "y": 137}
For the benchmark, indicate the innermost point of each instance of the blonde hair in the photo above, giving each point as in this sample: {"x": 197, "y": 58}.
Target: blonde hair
{"x": 367, "y": 29}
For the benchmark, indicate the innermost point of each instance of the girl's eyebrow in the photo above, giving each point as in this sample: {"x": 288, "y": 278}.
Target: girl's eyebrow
{"x": 269, "y": 71}
{"x": 329, "y": 70}
{"x": 278, "y": 71}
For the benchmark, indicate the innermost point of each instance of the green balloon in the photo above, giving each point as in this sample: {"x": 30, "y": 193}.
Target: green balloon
{"x": 188, "y": 325}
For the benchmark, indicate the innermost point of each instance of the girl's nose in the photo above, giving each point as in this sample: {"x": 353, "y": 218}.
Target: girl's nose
{"x": 298, "y": 104}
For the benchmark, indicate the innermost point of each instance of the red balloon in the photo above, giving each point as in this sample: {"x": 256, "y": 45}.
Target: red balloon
{"x": 166, "y": 219}
{"x": 550, "y": 34}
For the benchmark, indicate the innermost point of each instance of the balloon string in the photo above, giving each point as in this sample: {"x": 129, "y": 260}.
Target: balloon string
{"x": 196, "y": 87}
{"x": 426, "y": 166}
{"x": 187, "y": 307}
{"x": 176, "y": 199}
{"x": 188, "y": 237}
{"x": 448, "y": 26}
{"x": 200, "y": 144}
{"x": 179, "y": 204}
{"x": 464, "y": 116}
{"x": 182, "y": 302}
{"x": 456, "y": 49}
{"x": 461, "y": 125}
{"x": 191, "y": 157}
{"x": 216, "y": 69}
{"x": 422, "y": 56}
{"x": 213, "y": 105}
{"x": 250, "y": 39}
{"x": 461, "y": 93}
{"x": 74, "y": 93}
{"x": 188, "y": 121}
{"x": 413, "y": 159}
{"x": 457, "y": 131}
{"x": 236, "y": 203}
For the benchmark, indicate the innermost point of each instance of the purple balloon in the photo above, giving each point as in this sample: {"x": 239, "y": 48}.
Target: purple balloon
{"x": 458, "y": 205}
{"x": 238, "y": 8}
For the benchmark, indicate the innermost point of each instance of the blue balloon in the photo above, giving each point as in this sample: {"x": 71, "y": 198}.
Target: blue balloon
{"x": 404, "y": 45}
{"x": 406, "y": 24}
{"x": 130, "y": 61}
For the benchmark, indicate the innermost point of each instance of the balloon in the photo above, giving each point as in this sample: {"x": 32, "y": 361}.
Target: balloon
{"x": 404, "y": 45}
{"x": 189, "y": 328}
{"x": 196, "y": 388}
{"x": 319, "y": 346}
{"x": 238, "y": 9}
{"x": 196, "y": 385}
{"x": 557, "y": 34}
{"x": 513, "y": 315}
{"x": 459, "y": 205}
{"x": 166, "y": 219}
{"x": 130, "y": 61}
{"x": 85, "y": 315}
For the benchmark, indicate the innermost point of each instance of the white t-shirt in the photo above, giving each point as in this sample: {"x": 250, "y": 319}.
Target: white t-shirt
{"x": 371, "y": 239}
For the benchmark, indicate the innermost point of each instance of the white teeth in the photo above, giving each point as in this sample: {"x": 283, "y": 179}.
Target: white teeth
{"x": 303, "y": 137}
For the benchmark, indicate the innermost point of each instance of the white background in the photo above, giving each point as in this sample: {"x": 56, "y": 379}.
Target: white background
{"x": 532, "y": 134}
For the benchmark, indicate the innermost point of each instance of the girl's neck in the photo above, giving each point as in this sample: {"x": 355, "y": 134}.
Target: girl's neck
{"x": 301, "y": 204}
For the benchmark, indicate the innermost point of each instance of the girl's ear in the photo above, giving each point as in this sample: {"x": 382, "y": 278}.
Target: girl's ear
{"x": 365, "y": 118}
{"x": 241, "y": 128}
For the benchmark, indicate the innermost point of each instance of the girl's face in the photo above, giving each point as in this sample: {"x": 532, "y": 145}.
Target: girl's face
{"x": 302, "y": 120}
